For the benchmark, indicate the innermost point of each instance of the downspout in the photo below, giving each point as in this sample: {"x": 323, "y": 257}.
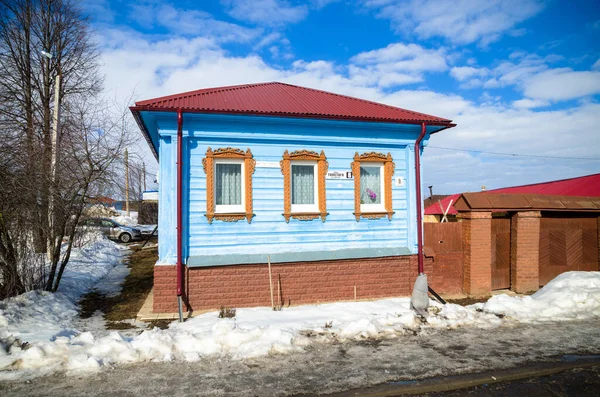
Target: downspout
{"x": 419, "y": 300}
{"x": 179, "y": 265}
{"x": 419, "y": 199}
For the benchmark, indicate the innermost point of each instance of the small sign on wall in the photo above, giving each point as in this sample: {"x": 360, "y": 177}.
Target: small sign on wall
{"x": 267, "y": 164}
{"x": 399, "y": 181}
{"x": 339, "y": 175}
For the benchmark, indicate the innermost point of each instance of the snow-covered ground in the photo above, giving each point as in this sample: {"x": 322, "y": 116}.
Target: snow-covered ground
{"x": 255, "y": 332}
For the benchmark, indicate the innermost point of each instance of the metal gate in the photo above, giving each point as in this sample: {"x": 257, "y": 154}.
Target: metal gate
{"x": 567, "y": 243}
{"x": 500, "y": 253}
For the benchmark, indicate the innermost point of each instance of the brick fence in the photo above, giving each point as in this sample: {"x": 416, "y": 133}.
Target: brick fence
{"x": 300, "y": 282}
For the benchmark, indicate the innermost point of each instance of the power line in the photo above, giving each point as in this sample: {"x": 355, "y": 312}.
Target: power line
{"x": 515, "y": 154}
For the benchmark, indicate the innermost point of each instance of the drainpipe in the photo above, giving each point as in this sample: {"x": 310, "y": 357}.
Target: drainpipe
{"x": 419, "y": 199}
{"x": 419, "y": 301}
{"x": 179, "y": 265}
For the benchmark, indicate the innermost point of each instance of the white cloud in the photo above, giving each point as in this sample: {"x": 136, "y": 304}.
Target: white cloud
{"x": 596, "y": 65}
{"x": 190, "y": 22}
{"x": 406, "y": 57}
{"x": 527, "y": 103}
{"x": 98, "y": 10}
{"x": 562, "y": 84}
{"x": 154, "y": 68}
{"x": 459, "y": 21}
{"x": 396, "y": 64}
{"x": 463, "y": 73}
{"x": 268, "y": 39}
{"x": 318, "y": 4}
{"x": 265, "y": 12}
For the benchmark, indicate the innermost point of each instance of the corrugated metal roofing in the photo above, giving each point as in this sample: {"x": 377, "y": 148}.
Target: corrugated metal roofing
{"x": 285, "y": 100}
{"x": 588, "y": 185}
{"x": 519, "y": 202}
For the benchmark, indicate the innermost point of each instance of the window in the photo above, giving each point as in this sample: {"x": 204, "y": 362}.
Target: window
{"x": 229, "y": 189}
{"x": 304, "y": 185}
{"x": 229, "y": 184}
{"x": 373, "y": 185}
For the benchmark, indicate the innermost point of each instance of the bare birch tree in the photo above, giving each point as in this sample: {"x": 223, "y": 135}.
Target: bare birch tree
{"x": 91, "y": 137}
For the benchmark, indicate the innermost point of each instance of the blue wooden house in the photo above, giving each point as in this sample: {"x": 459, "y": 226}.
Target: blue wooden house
{"x": 320, "y": 186}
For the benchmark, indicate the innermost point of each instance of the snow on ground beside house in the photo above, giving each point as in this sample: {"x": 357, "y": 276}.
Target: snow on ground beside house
{"x": 261, "y": 331}
{"x": 39, "y": 317}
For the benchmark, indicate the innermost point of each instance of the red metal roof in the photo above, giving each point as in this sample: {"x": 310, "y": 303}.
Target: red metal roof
{"x": 434, "y": 209}
{"x": 588, "y": 185}
{"x": 285, "y": 100}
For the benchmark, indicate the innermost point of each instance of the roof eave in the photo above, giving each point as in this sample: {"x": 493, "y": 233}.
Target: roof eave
{"x": 442, "y": 123}
{"x": 138, "y": 118}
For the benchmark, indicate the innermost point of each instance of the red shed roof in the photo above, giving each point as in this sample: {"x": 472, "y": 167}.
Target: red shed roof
{"x": 588, "y": 185}
{"x": 280, "y": 99}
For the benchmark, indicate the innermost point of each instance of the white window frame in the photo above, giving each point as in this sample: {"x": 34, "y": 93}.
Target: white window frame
{"x": 300, "y": 208}
{"x": 230, "y": 209}
{"x": 375, "y": 207}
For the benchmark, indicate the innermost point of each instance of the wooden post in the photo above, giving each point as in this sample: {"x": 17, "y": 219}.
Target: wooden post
{"x": 127, "y": 182}
{"x": 279, "y": 291}
{"x": 355, "y": 292}
{"x": 271, "y": 282}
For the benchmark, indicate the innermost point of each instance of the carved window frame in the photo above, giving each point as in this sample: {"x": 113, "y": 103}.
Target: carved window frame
{"x": 388, "y": 173}
{"x": 286, "y": 168}
{"x": 249, "y": 164}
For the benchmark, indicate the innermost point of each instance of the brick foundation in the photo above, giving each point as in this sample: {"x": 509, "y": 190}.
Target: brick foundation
{"x": 301, "y": 282}
{"x": 525, "y": 251}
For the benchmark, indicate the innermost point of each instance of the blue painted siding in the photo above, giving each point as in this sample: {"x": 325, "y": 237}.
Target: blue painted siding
{"x": 268, "y": 233}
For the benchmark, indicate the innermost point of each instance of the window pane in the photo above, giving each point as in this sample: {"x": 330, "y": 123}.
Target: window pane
{"x": 303, "y": 184}
{"x": 228, "y": 184}
{"x": 370, "y": 185}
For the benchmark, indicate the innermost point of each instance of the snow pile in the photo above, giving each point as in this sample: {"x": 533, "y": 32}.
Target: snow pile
{"x": 42, "y": 316}
{"x": 570, "y": 296}
{"x": 261, "y": 331}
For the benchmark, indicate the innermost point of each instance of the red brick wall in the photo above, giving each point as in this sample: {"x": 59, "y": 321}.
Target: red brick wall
{"x": 477, "y": 253}
{"x": 301, "y": 282}
{"x": 446, "y": 274}
{"x": 525, "y": 251}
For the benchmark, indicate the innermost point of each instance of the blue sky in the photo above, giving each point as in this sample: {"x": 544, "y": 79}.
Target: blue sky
{"x": 518, "y": 77}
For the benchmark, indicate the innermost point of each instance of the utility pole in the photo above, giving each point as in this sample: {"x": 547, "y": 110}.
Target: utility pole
{"x": 127, "y": 182}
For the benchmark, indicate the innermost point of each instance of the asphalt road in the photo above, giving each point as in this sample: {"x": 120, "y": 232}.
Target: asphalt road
{"x": 334, "y": 367}
{"x": 577, "y": 382}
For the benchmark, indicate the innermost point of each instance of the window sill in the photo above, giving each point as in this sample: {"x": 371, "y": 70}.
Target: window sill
{"x": 305, "y": 216}
{"x": 373, "y": 215}
{"x": 229, "y": 217}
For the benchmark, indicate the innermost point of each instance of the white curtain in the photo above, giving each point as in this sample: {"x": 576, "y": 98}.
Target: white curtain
{"x": 370, "y": 185}
{"x": 303, "y": 184}
{"x": 228, "y": 184}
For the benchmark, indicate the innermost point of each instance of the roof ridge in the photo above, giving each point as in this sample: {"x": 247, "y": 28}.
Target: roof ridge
{"x": 207, "y": 91}
{"x": 361, "y": 100}
{"x": 543, "y": 183}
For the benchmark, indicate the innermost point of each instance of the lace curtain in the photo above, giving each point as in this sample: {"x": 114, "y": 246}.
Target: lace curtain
{"x": 228, "y": 184}
{"x": 370, "y": 185}
{"x": 303, "y": 184}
